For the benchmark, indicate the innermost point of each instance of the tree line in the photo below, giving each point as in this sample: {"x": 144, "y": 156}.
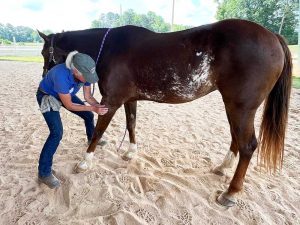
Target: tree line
{"x": 150, "y": 21}
{"x": 279, "y": 16}
{"x": 10, "y": 33}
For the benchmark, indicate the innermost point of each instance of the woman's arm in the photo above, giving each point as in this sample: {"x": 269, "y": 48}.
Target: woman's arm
{"x": 67, "y": 102}
{"x": 88, "y": 96}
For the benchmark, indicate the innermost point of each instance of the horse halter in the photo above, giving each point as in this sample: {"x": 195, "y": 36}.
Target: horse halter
{"x": 51, "y": 51}
{"x": 51, "y": 55}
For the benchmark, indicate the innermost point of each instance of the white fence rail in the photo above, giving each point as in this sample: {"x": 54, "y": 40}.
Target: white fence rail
{"x": 20, "y": 50}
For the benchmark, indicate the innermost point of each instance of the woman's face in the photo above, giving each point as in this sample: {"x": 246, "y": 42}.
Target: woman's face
{"x": 78, "y": 76}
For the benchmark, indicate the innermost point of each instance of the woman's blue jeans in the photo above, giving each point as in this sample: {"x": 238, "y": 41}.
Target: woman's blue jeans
{"x": 55, "y": 126}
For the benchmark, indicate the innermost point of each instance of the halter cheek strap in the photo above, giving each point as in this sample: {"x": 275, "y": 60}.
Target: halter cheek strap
{"x": 51, "y": 51}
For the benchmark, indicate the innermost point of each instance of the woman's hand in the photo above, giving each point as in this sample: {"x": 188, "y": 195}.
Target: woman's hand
{"x": 100, "y": 109}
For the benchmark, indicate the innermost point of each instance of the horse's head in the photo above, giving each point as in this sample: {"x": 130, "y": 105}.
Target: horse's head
{"x": 51, "y": 52}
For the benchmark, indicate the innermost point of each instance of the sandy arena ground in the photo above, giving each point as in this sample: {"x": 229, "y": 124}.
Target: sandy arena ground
{"x": 169, "y": 183}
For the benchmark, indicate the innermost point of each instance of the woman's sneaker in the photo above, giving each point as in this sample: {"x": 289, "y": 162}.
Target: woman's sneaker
{"x": 51, "y": 181}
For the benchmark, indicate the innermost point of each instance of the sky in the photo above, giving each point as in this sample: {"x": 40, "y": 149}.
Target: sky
{"x": 58, "y": 15}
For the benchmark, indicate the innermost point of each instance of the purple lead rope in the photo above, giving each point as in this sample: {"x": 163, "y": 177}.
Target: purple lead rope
{"x": 101, "y": 47}
{"x": 102, "y": 44}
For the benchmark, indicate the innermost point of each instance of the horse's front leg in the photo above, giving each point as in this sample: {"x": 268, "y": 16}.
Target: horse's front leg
{"x": 102, "y": 123}
{"x": 130, "y": 110}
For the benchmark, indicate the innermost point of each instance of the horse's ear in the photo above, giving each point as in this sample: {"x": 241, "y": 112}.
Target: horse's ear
{"x": 44, "y": 36}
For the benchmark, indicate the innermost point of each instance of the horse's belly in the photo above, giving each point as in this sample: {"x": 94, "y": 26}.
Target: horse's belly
{"x": 191, "y": 91}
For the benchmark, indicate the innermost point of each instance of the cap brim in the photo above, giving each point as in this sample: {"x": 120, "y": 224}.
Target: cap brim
{"x": 91, "y": 77}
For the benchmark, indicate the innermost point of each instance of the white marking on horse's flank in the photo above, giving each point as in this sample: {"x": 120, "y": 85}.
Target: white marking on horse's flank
{"x": 154, "y": 96}
{"x": 186, "y": 87}
{"x": 198, "y": 53}
{"x": 200, "y": 75}
{"x": 197, "y": 81}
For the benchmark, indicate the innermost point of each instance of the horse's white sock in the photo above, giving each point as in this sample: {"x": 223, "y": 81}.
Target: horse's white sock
{"x": 228, "y": 160}
{"x": 132, "y": 150}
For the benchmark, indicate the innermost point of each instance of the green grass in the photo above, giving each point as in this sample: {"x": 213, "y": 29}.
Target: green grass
{"x": 296, "y": 82}
{"x": 22, "y": 58}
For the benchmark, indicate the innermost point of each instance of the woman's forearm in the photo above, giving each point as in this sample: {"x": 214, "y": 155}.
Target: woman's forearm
{"x": 77, "y": 107}
{"x": 91, "y": 100}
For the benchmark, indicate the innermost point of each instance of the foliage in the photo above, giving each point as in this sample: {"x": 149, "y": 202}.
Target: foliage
{"x": 269, "y": 13}
{"x": 21, "y": 34}
{"x": 5, "y": 42}
{"x": 150, "y": 21}
{"x": 296, "y": 82}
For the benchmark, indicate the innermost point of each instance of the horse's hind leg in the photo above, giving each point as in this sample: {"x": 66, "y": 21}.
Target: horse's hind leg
{"x": 102, "y": 123}
{"x": 243, "y": 134}
{"x": 230, "y": 157}
{"x": 130, "y": 110}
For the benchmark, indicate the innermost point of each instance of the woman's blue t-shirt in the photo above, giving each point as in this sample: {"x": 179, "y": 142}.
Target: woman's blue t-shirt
{"x": 60, "y": 80}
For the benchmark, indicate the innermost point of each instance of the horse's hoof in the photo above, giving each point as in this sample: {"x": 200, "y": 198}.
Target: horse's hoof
{"x": 81, "y": 167}
{"x": 218, "y": 171}
{"x": 127, "y": 156}
{"x": 225, "y": 200}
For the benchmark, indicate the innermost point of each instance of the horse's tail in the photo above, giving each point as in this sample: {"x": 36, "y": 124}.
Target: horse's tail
{"x": 275, "y": 115}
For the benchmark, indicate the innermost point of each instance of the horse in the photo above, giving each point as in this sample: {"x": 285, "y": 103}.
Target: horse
{"x": 245, "y": 62}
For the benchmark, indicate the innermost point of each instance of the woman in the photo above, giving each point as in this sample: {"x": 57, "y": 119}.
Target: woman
{"x": 59, "y": 87}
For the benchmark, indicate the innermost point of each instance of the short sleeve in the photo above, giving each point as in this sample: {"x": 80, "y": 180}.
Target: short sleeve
{"x": 61, "y": 84}
{"x": 87, "y": 84}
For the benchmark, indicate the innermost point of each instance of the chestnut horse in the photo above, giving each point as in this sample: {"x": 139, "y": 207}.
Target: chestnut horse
{"x": 244, "y": 61}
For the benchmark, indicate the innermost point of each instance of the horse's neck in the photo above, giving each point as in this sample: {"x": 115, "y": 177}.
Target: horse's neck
{"x": 85, "y": 41}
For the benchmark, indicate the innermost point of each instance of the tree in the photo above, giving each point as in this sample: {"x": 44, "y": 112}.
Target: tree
{"x": 279, "y": 16}
{"x": 107, "y": 20}
{"x": 150, "y": 21}
{"x": 21, "y": 34}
